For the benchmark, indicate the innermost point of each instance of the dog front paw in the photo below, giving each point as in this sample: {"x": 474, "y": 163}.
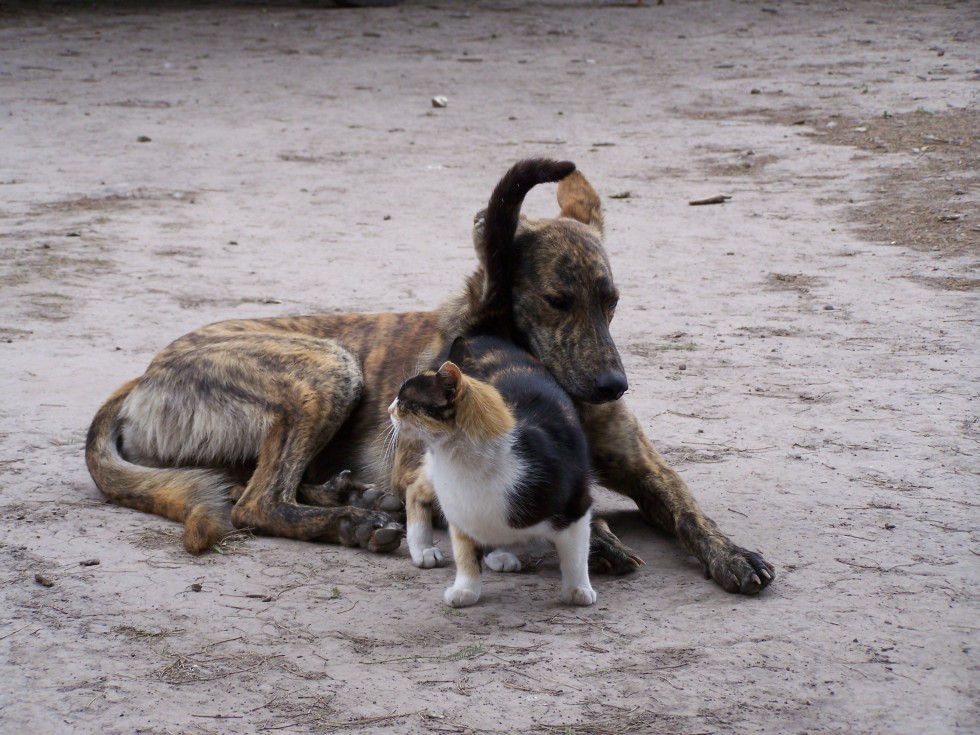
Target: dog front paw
{"x": 581, "y": 596}
{"x": 739, "y": 570}
{"x": 500, "y": 560}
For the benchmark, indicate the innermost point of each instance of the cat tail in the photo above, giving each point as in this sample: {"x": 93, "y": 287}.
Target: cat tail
{"x": 198, "y": 497}
{"x": 496, "y": 248}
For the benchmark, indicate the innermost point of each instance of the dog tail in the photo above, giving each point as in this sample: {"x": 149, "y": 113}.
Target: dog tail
{"x": 198, "y": 497}
{"x": 500, "y": 227}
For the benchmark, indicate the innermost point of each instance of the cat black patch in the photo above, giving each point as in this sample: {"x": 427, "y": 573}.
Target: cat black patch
{"x": 550, "y": 438}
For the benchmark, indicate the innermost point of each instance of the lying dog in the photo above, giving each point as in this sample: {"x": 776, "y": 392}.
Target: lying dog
{"x": 263, "y": 411}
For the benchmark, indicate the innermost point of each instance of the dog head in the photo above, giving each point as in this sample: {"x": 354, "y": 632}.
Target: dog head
{"x": 549, "y": 281}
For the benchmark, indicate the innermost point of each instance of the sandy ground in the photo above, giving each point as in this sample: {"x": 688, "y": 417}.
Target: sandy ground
{"x": 164, "y": 167}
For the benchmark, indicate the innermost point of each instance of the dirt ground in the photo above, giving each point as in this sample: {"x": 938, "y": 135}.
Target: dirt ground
{"x": 805, "y": 353}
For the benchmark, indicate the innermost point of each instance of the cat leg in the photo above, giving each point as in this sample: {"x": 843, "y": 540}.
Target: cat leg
{"x": 419, "y": 498}
{"x": 466, "y": 589}
{"x": 573, "y": 558}
{"x": 501, "y": 560}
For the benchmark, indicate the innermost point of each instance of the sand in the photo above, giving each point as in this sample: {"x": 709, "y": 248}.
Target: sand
{"x": 806, "y": 353}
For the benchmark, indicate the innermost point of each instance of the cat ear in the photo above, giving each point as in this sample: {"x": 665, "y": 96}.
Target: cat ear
{"x": 450, "y": 379}
{"x": 460, "y": 352}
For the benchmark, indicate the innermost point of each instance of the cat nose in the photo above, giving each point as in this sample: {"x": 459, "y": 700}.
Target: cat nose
{"x": 610, "y": 385}
{"x": 391, "y": 408}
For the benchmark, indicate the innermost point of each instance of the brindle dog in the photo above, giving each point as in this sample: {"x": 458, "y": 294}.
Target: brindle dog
{"x": 261, "y": 412}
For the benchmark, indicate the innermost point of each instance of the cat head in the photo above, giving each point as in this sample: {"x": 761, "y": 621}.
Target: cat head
{"x": 445, "y": 404}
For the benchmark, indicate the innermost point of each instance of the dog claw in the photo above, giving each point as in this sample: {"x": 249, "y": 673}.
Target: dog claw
{"x": 343, "y": 490}
{"x": 739, "y": 570}
{"x": 387, "y": 539}
{"x": 607, "y": 554}
{"x": 371, "y": 530}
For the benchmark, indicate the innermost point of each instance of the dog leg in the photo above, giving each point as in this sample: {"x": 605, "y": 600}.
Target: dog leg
{"x": 269, "y": 506}
{"x": 627, "y": 463}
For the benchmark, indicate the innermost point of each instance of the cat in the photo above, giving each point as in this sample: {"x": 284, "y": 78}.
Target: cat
{"x": 508, "y": 462}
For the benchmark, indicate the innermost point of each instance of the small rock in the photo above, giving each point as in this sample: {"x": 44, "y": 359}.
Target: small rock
{"x": 42, "y": 580}
{"x": 828, "y": 307}
{"x": 755, "y": 90}
{"x": 440, "y": 101}
{"x": 196, "y": 587}
{"x": 682, "y": 367}
{"x": 889, "y": 526}
{"x": 89, "y": 563}
{"x": 144, "y": 139}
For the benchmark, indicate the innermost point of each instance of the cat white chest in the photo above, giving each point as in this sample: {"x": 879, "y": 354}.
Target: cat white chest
{"x": 474, "y": 491}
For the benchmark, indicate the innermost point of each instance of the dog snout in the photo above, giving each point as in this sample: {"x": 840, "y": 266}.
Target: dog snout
{"x": 610, "y": 385}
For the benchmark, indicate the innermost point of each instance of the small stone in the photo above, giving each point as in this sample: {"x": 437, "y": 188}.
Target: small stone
{"x": 889, "y": 526}
{"x": 682, "y": 367}
{"x": 756, "y": 90}
{"x": 144, "y": 139}
{"x": 828, "y": 307}
{"x": 89, "y": 563}
{"x": 196, "y": 587}
{"x": 440, "y": 101}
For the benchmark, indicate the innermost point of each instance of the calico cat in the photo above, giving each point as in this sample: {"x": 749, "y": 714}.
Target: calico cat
{"x": 507, "y": 459}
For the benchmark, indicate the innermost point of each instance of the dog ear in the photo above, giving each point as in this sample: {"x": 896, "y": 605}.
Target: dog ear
{"x": 579, "y": 201}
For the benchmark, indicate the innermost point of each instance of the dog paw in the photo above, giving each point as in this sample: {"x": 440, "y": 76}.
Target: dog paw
{"x": 609, "y": 555}
{"x": 581, "y": 596}
{"x": 461, "y": 596}
{"x": 739, "y": 570}
{"x": 428, "y": 558}
{"x": 499, "y": 560}
{"x": 371, "y": 530}
{"x": 344, "y": 490}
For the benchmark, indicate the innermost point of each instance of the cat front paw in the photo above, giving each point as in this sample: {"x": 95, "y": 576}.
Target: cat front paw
{"x": 460, "y": 596}
{"x": 499, "y": 560}
{"x": 581, "y": 596}
{"x": 428, "y": 557}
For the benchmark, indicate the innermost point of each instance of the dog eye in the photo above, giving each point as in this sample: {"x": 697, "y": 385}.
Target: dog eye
{"x": 561, "y": 303}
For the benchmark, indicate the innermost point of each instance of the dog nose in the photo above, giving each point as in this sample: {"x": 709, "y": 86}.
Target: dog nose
{"x": 611, "y": 385}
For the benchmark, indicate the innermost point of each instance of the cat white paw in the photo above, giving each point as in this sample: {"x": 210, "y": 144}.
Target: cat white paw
{"x": 428, "y": 557}
{"x": 582, "y": 596}
{"x": 461, "y": 596}
{"x": 502, "y": 561}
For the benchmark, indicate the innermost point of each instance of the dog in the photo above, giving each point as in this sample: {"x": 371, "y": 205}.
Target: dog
{"x": 278, "y": 425}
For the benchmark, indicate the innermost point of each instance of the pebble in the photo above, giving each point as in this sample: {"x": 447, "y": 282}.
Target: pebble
{"x": 440, "y": 101}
